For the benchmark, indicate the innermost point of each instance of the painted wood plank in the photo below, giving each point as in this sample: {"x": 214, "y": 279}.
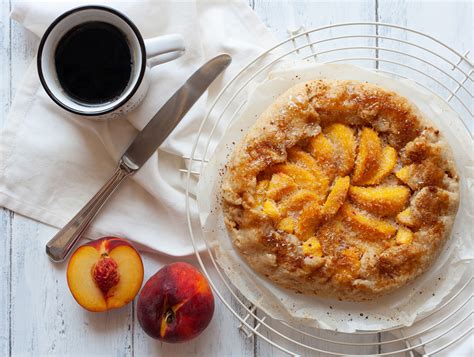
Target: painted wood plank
{"x": 5, "y": 215}
{"x": 24, "y": 45}
{"x": 5, "y": 276}
{"x": 5, "y": 58}
{"x": 221, "y": 338}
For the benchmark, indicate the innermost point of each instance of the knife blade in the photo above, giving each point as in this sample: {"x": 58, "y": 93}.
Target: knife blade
{"x": 161, "y": 125}
{"x": 142, "y": 147}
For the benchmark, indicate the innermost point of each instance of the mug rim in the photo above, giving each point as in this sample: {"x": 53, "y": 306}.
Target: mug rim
{"x": 57, "y": 21}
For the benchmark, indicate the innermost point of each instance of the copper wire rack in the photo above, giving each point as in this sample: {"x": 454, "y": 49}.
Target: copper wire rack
{"x": 395, "y": 50}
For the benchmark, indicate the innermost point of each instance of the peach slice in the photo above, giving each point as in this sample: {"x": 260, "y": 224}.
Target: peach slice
{"x": 313, "y": 214}
{"x": 321, "y": 149}
{"x": 262, "y": 186}
{"x": 302, "y": 177}
{"x": 405, "y": 173}
{"x": 312, "y": 247}
{"x": 348, "y": 265}
{"x": 337, "y": 196}
{"x": 297, "y": 201}
{"x": 287, "y": 225}
{"x": 271, "y": 210}
{"x": 372, "y": 227}
{"x": 387, "y": 164}
{"x": 343, "y": 137}
{"x": 176, "y": 304}
{"x": 368, "y": 157}
{"x": 280, "y": 185}
{"x": 105, "y": 274}
{"x": 308, "y": 220}
{"x": 381, "y": 200}
{"x": 305, "y": 160}
{"x": 404, "y": 236}
{"x": 406, "y": 218}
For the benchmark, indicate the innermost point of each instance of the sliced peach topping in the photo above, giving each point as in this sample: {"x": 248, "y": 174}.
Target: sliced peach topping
{"x": 280, "y": 185}
{"x": 405, "y": 217}
{"x": 297, "y": 201}
{"x": 368, "y": 157}
{"x": 348, "y": 264}
{"x": 373, "y": 228}
{"x": 260, "y": 189}
{"x": 302, "y": 177}
{"x": 312, "y": 247}
{"x": 405, "y": 173}
{"x": 381, "y": 200}
{"x": 313, "y": 214}
{"x": 343, "y": 138}
{"x": 262, "y": 186}
{"x": 404, "y": 236}
{"x": 308, "y": 220}
{"x": 337, "y": 196}
{"x": 387, "y": 164}
{"x": 271, "y": 210}
{"x": 306, "y": 161}
{"x": 322, "y": 150}
{"x": 287, "y": 225}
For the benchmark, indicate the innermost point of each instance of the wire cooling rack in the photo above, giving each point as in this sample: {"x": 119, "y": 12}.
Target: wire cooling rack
{"x": 391, "y": 49}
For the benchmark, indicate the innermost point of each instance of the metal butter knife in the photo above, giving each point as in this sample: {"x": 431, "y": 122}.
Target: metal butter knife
{"x": 144, "y": 145}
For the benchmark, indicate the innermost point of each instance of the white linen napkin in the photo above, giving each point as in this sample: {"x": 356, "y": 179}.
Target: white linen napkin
{"x": 52, "y": 162}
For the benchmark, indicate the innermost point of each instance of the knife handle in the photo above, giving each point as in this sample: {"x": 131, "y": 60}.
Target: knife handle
{"x": 61, "y": 244}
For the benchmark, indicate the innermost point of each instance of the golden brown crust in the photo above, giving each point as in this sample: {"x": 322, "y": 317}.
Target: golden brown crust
{"x": 293, "y": 215}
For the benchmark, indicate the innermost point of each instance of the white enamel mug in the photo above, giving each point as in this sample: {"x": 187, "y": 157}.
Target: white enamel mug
{"x": 144, "y": 54}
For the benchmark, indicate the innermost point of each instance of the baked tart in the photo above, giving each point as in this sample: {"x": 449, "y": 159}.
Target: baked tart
{"x": 341, "y": 189}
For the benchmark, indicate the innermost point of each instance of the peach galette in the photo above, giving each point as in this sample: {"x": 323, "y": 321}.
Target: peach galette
{"x": 341, "y": 189}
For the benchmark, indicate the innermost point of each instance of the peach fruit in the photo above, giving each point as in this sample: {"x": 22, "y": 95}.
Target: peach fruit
{"x": 176, "y": 304}
{"x": 105, "y": 274}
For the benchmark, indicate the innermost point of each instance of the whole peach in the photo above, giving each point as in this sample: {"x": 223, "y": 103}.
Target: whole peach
{"x": 176, "y": 304}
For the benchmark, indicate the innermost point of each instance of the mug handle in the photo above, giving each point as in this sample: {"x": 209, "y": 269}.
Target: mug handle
{"x": 163, "y": 49}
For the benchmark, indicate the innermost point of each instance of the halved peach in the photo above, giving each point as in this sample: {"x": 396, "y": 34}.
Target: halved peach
{"x": 105, "y": 274}
{"x": 368, "y": 157}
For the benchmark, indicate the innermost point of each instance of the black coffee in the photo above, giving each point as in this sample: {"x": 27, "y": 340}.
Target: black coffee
{"x": 93, "y": 62}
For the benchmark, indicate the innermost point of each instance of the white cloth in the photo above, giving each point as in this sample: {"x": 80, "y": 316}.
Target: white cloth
{"x": 52, "y": 162}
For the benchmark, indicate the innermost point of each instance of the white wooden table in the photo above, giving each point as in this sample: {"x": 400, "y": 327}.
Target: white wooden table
{"x": 38, "y": 315}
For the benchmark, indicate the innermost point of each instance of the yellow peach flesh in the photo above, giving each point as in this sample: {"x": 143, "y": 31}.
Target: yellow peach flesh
{"x": 80, "y": 281}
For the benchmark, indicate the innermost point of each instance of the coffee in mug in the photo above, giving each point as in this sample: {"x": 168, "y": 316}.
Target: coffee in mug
{"x": 93, "y": 61}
